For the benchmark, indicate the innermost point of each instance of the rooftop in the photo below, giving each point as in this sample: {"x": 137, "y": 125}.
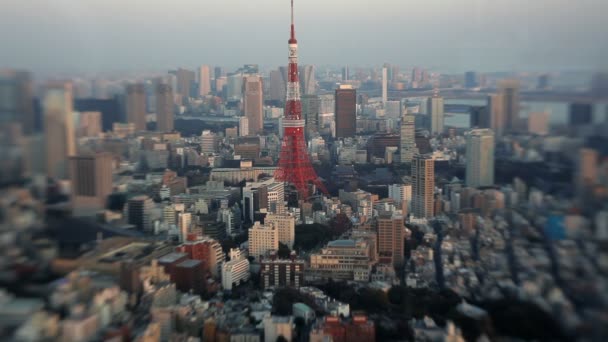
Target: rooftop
{"x": 341, "y": 243}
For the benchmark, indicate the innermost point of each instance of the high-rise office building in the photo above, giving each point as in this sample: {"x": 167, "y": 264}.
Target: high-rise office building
{"x": 391, "y": 236}
{"x": 164, "y": 108}
{"x": 16, "y": 99}
{"x": 234, "y": 87}
{"x": 185, "y": 81}
{"x": 509, "y": 90}
{"x": 408, "y": 138}
{"x": 218, "y": 72}
{"x": 496, "y": 113}
{"x": 309, "y": 82}
{"x": 311, "y": 107}
{"x": 423, "y": 186}
{"x": 544, "y": 82}
{"x": 204, "y": 80}
{"x": 59, "y": 128}
{"x": 136, "y": 106}
{"x": 243, "y": 126}
{"x": 286, "y": 224}
{"x": 346, "y": 111}
{"x": 470, "y": 79}
{"x": 278, "y": 85}
{"x": 435, "y": 114}
{"x": 480, "y": 158}
{"x": 91, "y": 178}
{"x": 139, "y": 212}
{"x": 253, "y": 103}
{"x": 384, "y": 84}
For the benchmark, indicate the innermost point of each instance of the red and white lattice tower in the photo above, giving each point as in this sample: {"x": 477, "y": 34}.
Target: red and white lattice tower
{"x": 294, "y": 162}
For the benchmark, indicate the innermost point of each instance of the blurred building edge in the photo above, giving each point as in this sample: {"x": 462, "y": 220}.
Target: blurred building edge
{"x": 91, "y": 181}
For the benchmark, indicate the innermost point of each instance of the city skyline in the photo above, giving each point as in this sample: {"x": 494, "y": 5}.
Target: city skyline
{"x": 74, "y": 38}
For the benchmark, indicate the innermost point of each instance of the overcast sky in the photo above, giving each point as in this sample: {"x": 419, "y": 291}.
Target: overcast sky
{"x": 449, "y": 35}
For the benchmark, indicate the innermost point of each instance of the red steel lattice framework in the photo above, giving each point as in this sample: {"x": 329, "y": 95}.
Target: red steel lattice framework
{"x": 294, "y": 162}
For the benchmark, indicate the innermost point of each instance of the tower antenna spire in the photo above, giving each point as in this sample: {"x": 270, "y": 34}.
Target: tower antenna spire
{"x": 293, "y": 30}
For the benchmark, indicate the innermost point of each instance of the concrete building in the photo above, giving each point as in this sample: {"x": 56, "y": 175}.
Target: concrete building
{"x": 185, "y": 82}
{"x": 309, "y": 82}
{"x": 402, "y": 195}
{"x": 346, "y": 111}
{"x": 207, "y": 250}
{"x": 384, "y": 84}
{"x": 275, "y": 272}
{"x": 164, "y": 108}
{"x": 235, "y": 271}
{"x": 311, "y": 106}
{"x": 136, "y": 106}
{"x": 278, "y": 326}
{"x": 587, "y": 169}
{"x": 496, "y": 114}
{"x": 89, "y": 124}
{"x": 278, "y": 84}
{"x": 423, "y": 186}
{"x": 286, "y": 224}
{"x": 262, "y": 239}
{"x": 91, "y": 178}
{"x": 243, "y": 126}
{"x": 480, "y": 158}
{"x": 139, "y": 212}
{"x": 391, "y": 235}
{"x": 509, "y": 90}
{"x": 253, "y": 103}
{"x": 408, "y": 138}
{"x": 59, "y": 128}
{"x": 435, "y": 114}
{"x": 204, "y": 80}
{"x": 342, "y": 260}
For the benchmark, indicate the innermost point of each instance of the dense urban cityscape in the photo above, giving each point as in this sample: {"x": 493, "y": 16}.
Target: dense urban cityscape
{"x": 304, "y": 203}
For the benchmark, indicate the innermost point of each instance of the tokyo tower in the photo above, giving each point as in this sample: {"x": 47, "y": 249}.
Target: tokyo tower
{"x": 294, "y": 162}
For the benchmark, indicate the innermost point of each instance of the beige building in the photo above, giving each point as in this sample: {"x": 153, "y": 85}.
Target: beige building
{"x": 342, "y": 260}
{"x": 480, "y": 158}
{"x": 136, "y": 106}
{"x": 262, "y": 239}
{"x": 538, "y": 123}
{"x": 423, "y": 186}
{"x": 204, "y": 80}
{"x": 286, "y": 224}
{"x": 253, "y": 103}
{"x": 509, "y": 91}
{"x": 89, "y": 124}
{"x": 59, "y": 128}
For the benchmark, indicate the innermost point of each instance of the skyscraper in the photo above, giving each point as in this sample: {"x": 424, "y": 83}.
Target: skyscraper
{"x": 509, "y": 90}
{"x": 243, "y": 126}
{"x": 185, "y": 80}
{"x": 391, "y": 235}
{"x": 91, "y": 178}
{"x": 423, "y": 185}
{"x": 277, "y": 85}
{"x": 253, "y": 103}
{"x": 408, "y": 138}
{"x": 164, "y": 108}
{"x": 204, "y": 80}
{"x": 218, "y": 72}
{"x": 311, "y": 106}
{"x": 346, "y": 111}
{"x": 586, "y": 173}
{"x": 580, "y": 114}
{"x": 16, "y": 99}
{"x": 136, "y": 106}
{"x": 470, "y": 79}
{"x": 496, "y": 113}
{"x": 59, "y": 128}
{"x": 435, "y": 113}
{"x": 234, "y": 87}
{"x": 384, "y": 84}
{"x": 309, "y": 83}
{"x": 480, "y": 158}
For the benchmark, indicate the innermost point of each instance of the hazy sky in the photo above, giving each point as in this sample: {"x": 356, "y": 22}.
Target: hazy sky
{"x": 450, "y": 35}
